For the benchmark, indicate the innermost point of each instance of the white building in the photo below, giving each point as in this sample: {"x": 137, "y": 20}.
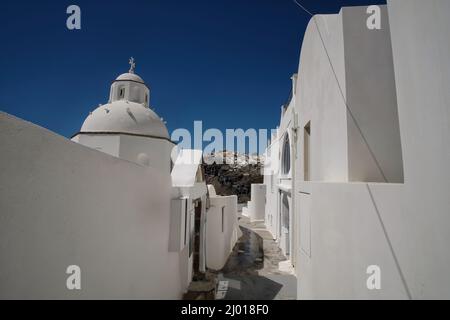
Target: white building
{"x": 135, "y": 223}
{"x": 126, "y": 127}
{"x": 358, "y": 172}
{"x": 279, "y": 171}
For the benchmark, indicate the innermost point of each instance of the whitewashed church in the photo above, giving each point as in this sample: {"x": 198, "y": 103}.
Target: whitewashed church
{"x": 119, "y": 204}
{"x": 126, "y": 127}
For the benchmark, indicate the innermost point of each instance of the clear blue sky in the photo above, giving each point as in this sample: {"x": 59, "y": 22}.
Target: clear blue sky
{"x": 227, "y": 63}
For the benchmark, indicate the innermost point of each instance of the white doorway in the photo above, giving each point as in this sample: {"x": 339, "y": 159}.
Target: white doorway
{"x": 285, "y": 234}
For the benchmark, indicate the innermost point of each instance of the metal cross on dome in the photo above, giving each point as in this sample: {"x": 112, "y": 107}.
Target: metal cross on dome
{"x": 132, "y": 65}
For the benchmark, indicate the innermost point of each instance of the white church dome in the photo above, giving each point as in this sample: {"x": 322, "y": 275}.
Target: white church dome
{"x": 127, "y": 110}
{"x": 130, "y": 77}
{"x": 125, "y": 117}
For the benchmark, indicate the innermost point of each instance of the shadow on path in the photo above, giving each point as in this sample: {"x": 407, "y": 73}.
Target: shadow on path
{"x": 251, "y": 271}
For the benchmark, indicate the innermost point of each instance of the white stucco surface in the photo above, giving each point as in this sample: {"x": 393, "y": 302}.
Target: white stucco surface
{"x": 130, "y": 76}
{"x": 211, "y": 190}
{"x": 402, "y": 228}
{"x": 341, "y": 238}
{"x": 271, "y": 181}
{"x": 256, "y": 205}
{"x": 125, "y": 117}
{"x": 64, "y": 204}
{"x": 319, "y": 100}
{"x": 222, "y": 230}
{"x": 157, "y": 151}
{"x": 109, "y": 144}
{"x": 374, "y": 148}
{"x": 185, "y": 167}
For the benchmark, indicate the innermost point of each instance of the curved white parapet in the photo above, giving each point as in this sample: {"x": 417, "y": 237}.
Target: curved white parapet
{"x": 256, "y": 206}
{"x": 211, "y": 190}
{"x": 245, "y": 211}
{"x": 222, "y": 229}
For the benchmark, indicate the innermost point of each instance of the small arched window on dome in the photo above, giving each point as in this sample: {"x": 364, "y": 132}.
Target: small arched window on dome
{"x": 121, "y": 92}
{"x": 286, "y": 156}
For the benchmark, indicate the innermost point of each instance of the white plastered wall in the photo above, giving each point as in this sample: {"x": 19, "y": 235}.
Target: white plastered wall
{"x": 403, "y": 228}
{"x": 271, "y": 181}
{"x": 221, "y": 236}
{"x": 319, "y": 101}
{"x": 64, "y": 204}
{"x": 157, "y": 150}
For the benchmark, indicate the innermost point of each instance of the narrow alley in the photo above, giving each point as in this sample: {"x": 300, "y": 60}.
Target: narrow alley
{"x": 256, "y": 269}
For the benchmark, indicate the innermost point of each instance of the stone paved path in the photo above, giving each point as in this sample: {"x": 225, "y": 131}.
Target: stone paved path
{"x": 252, "y": 271}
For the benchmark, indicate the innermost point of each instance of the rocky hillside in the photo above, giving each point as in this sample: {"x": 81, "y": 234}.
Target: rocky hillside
{"x": 233, "y": 178}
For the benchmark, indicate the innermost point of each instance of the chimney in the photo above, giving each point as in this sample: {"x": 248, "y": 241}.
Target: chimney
{"x": 294, "y": 83}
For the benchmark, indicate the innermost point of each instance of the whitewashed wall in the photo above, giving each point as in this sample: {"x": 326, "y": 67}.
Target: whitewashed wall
{"x": 256, "y": 206}
{"x": 109, "y": 144}
{"x": 221, "y": 237}
{"x": 319, "y": 101}
{"x": 402, "y": 228}
{"x": 271, "y": 180}
{"x": 131, "y": 147}
{"x": 62, "y": 203}
{"x": 340, "y": 236}
{"x": 371, "y": 99}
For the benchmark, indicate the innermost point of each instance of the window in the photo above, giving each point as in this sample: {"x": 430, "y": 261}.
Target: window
{"x": 306, "y": 151}
{"x": 286, "y": 156}
{"x": 121, "y": 93}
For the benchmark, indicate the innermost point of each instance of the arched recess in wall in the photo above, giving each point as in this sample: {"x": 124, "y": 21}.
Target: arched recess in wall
{"x": 286, "y": 156}
{"x": 285, "y": 210}
{"x": 135, "y": 94}
{"x": 120, "y": 93}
